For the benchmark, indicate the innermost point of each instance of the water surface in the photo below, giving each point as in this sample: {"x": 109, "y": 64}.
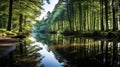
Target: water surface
{"x": 46, "y": 50}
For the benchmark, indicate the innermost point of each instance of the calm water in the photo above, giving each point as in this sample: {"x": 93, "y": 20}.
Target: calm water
{"x": 45, "y": 50}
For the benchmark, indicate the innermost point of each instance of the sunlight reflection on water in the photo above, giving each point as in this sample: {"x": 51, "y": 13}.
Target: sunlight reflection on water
{"x": 49, "y": 59}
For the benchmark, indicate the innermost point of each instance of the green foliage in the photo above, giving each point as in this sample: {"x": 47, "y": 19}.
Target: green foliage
{"x": 29, "y": 9}
{"x": 2, "y": 30}
{"x": 87, "y": 16}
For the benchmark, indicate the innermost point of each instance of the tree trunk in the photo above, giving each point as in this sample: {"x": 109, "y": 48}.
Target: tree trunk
{"x": 84, "y": 19}
{"x": 10, "y": 15}
{"x": 91, "y": 14}
{"x": 69, "y": 18}
{"x": 87, "y": 17}
{"x": 80, "y": 15}
{"x": 94, "y": 19}
{"x": 106, "y": 14}
{"x": 72, "y": 14}
{"x": 101, "y": 8}
{"x": 113, "y": 11}
{"x": 20, "y": 22}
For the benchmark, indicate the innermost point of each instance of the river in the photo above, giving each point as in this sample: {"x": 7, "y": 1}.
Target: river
{"x": 54, "y": 50}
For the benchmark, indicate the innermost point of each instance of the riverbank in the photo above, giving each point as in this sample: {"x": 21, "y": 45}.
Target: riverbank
{"x": 7, "y": 41}
{"x": 8, "y": 38}
{"x": 96, "y": 34}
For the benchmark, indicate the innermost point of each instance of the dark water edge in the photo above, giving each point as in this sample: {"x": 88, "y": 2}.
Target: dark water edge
{"x": 58, "y": 51}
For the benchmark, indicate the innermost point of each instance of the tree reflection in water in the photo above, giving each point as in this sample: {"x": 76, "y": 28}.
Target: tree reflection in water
{"x": 24, "y": 55}
{"x": 77, "y": 52}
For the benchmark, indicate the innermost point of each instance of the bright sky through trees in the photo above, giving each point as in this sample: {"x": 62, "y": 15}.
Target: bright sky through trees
{"x": 48, "y": 7}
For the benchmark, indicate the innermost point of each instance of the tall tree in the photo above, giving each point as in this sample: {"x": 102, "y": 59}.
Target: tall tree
{"x": 80, "y": 15}
{"x": 106, "y": 14}
{"x": 20, "y": 22}
{"x": 101, "y": 8}
{"x": 10, "y": 15}
{"x": 113, "y": 12}
{"x": 68, "y": 15}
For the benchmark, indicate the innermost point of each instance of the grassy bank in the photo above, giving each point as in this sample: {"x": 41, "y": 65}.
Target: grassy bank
{"x": 13, "y": 34}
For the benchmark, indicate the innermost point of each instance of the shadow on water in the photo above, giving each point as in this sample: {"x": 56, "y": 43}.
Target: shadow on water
{"x": 24, "y": 55}
{"x": 5, "y": 50}
{"x": 77, "y": 52}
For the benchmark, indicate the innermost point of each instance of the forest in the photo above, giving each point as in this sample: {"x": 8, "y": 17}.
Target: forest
{"x": 69, "y": 17}
{"x": 76, "y": 33}
{"x": 17, "y": 16}
{"x": 84, "y": 17}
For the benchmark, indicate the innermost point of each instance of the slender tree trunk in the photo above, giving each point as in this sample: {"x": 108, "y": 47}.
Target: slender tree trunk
{"x": 84, "y": 20}
{"x": 94, "y": 18}
{"x": 20, "y": 22}
{"x": 10, "y": 15}
{"x": 72, "y": 14}
{"x": 80, "y": 15}
{"x": 87, "y": 17}
{"x": 75, "y": 23}
{"x": 90, "y": 15}
{"x": 114, "y": 21}
{"x": 106, "y": 14}
{"x": 101, "y": 8}
{"x": 69, "y": 18}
